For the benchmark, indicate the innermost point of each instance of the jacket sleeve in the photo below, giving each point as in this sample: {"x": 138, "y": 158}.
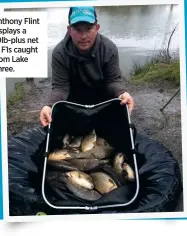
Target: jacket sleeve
{"x": 60, "y": 78}
{"x": 113, "y": 81}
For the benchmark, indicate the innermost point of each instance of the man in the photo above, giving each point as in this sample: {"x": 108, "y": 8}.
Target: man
{"x": 85, "y": 65}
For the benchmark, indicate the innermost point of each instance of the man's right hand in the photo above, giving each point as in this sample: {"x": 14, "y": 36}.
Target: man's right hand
{"x": 45, "y": 115}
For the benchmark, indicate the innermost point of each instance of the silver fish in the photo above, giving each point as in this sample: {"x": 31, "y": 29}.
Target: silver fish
{"x": 118, "y": 162}
{"x": 81, "y": 192}
{"x": 101, "y": 142}
{"x": 61, "y": 154}
{"x": 103, "y": 183}
{"x": 97, "y": 152}
{"x": 128, "y": 171}
{"x": 80, "y": 178}
{"x": 87, "y": 164}
{"x": 88, "y": 141}
{"x": 61, "y": 165}
{"x": 66, "y": 140}
{"x": 76, "y": 142}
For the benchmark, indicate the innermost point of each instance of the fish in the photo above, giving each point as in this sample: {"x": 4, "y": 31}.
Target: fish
{"x": 118, "y": 162}
{"x": 97, "y": 152}
{"x": 103, "y": 183}
{"x": 76, "y": 142}
{"x": 117, "y": 177}
{"x": 61, "y": 165}
{"x": 88, "y": 142}
{"x": 128, "y": 172}
{"x": 101, "y": 142}
{"x": 87, "y": 164}
{"x": 81, "y": 192}
{"x": 66, "y": 140}
{"x": 71, "y": 150}
{"x": 61, "y": 154}
{"x": 74, "y": 149}
{"x": 80, "y": 178}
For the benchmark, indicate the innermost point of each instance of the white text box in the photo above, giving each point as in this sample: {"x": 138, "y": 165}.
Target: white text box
{"x": 23, "y": 44}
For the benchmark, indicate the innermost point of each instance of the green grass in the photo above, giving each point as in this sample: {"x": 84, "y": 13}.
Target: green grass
{"x": 159, "y": 68}
{"x": 16, "y": 96}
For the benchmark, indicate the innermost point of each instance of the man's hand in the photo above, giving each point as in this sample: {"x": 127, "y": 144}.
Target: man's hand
{"x": 127, "y": 99}
{"x": 45, "y": 115}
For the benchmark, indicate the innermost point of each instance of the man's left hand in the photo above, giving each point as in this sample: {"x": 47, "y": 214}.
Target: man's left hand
{"x": 127, "y": 99}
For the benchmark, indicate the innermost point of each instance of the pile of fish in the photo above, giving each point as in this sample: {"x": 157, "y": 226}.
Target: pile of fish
{"x": 76, "y": 166}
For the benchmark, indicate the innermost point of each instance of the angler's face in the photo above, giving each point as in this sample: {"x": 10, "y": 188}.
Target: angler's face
{"x": 83, "y": 35}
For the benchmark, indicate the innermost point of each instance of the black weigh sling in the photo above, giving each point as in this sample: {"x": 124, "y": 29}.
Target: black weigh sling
{"x": 158, "y": 180}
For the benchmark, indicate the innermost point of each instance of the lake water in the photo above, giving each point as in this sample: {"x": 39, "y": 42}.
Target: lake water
{"x": 138, "y": 31}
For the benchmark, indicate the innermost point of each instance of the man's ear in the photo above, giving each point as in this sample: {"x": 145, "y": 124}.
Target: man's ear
{"x": 97, "y": 27}
{"x": 69, "y": 29}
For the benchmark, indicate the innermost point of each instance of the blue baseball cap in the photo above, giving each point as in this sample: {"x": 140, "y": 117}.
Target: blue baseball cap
{"x": 82, "y": 14}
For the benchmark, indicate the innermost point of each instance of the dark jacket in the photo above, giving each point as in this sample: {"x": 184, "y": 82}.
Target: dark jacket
{"x": 86, "y": 79}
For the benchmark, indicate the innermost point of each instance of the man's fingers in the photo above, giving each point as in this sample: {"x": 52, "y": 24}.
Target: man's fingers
{"x": 44, "y": 122}
{"x": 131, "y": 106}
{"x": 49, "y": 118}
{"x": 127, "y": 99}
{"x": 45, "y": 116}
{"x": 129, "y": 103}
{"x": 44, "y": 119}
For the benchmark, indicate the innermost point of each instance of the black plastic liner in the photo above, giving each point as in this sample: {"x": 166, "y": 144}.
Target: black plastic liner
{"x": 159, "y": 173}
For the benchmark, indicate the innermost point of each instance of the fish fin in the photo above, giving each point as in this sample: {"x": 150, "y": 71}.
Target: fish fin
{"x": 79, "y": 174}
{"x": 111, "y": 181}
{"x": 70, "y": 175}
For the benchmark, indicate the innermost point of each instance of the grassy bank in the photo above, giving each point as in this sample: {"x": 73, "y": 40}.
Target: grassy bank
{"x": 159, "y": 68}
{"x": 15, "y": 97}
